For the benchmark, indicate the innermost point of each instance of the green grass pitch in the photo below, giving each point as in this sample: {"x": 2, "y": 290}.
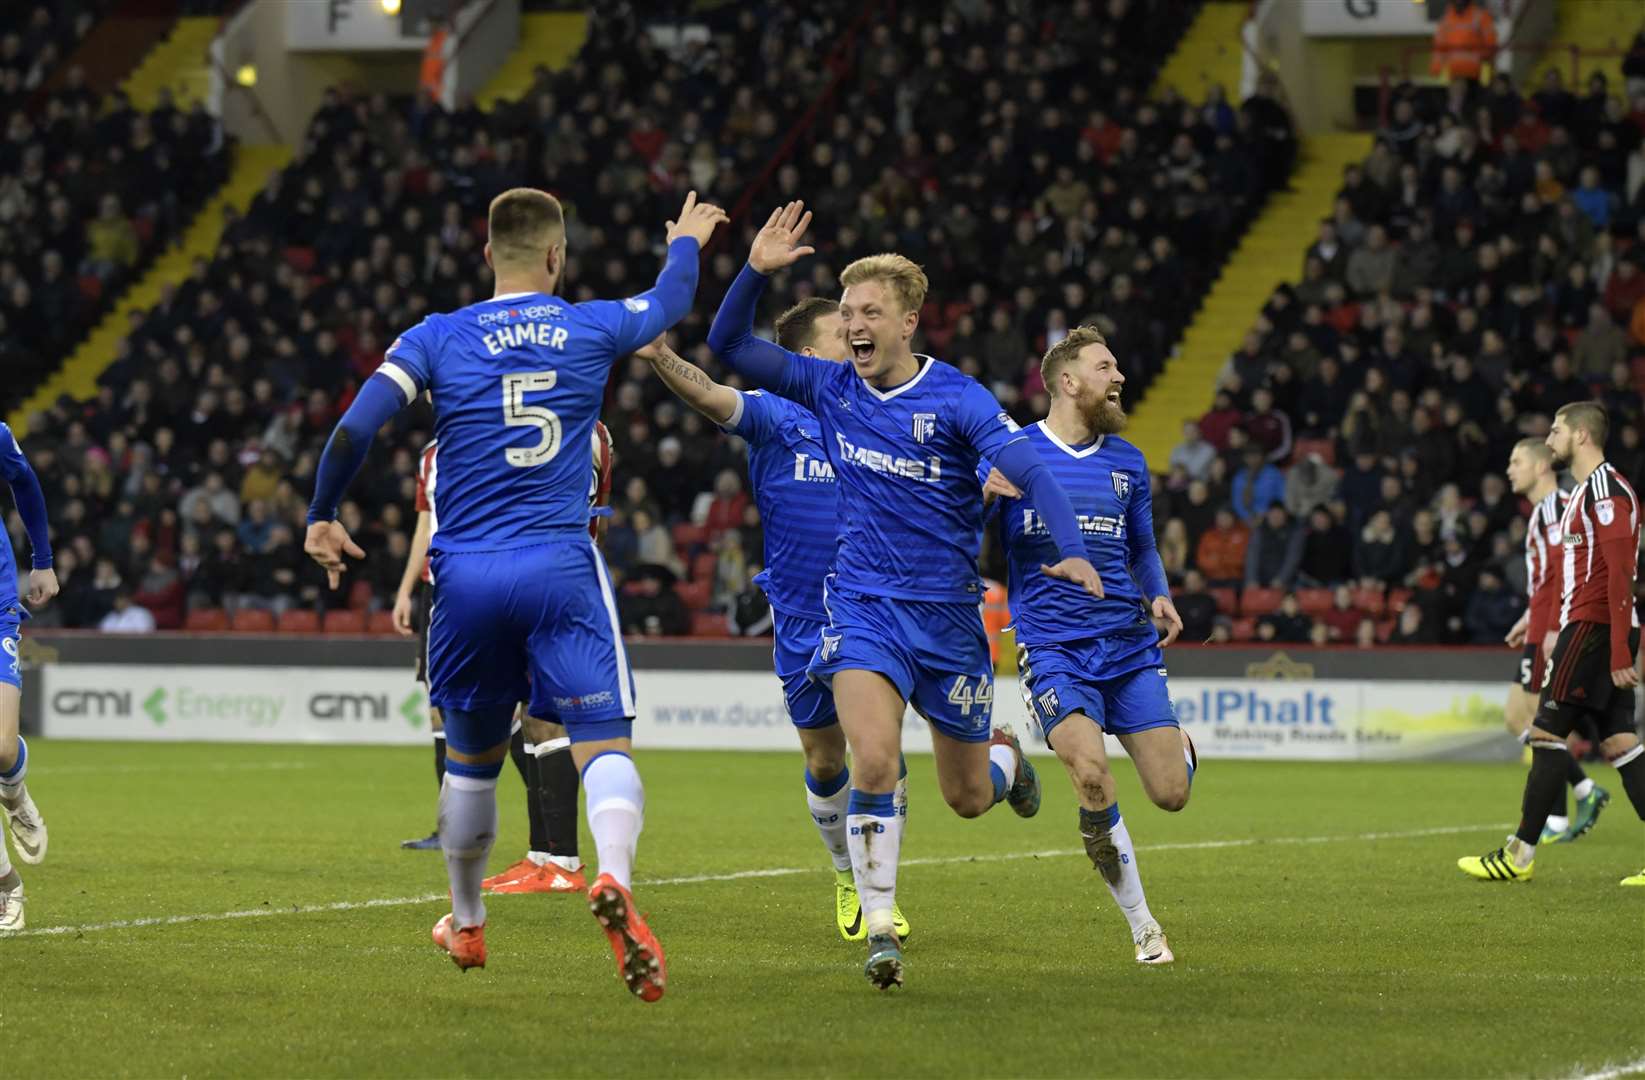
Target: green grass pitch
{"x": 1304, "y": 947}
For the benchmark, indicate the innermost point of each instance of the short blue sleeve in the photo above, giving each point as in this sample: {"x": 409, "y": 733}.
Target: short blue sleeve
{"x": 756, "y": 418}
{"x": 986, "y": 426}
{"x": 408, "y": 362}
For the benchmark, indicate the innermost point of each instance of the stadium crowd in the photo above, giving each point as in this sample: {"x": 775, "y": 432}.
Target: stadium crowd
{"x": 181, "y": 487}
{"x": 1481, "y": 268}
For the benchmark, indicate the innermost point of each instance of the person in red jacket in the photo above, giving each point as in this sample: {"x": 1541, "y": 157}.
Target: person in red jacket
{"x": 1464, "y": 41}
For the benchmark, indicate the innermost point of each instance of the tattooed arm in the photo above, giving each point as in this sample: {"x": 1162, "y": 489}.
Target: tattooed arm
{"x": 720, "y": 404}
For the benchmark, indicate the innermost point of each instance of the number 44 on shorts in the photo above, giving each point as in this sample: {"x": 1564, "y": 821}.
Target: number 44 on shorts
{"x": 965, "y": 697}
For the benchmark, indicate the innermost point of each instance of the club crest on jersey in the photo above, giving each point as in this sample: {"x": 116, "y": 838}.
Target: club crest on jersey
{"x": 1605, "y": 511}
{"x": 636, "y": 304}
{"x": 925, "y": 426}
{"x": 830, "y": 646}
{"x": 1122, "y": 484}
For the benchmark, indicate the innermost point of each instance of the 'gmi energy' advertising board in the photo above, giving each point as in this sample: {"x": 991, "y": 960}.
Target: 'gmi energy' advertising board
{"x": 1327, "y": 719}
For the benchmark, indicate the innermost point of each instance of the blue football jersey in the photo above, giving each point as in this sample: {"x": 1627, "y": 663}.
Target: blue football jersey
{"x": 517, "y": 383}
{"x": 795, "y": 490}
{"x": 14, "y": 468}
{"x": 910, "y": 503}
{"x": 1108, "y": 483}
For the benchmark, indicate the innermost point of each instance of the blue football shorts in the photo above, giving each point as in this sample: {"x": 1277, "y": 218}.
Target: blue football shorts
{"x": 810, "y": 703}
{"x": 536, "y": 624}
{"x": 936, "y": 654}
{"x": 11, "y": 644}
{"x": 1116, "y": 681}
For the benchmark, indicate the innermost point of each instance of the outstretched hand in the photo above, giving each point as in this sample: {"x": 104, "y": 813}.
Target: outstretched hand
{"x": 326, "y": 543}
{"x": 697, "y": 220}
{"x": 998, "y": 487}
{"x": 1079, "y": 571}
{"x": 1166, "y": 612}
{"x": 778, "y": 244}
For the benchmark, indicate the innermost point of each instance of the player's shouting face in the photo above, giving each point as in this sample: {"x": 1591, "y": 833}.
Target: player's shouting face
{"x": 1093, "y": 381}
{"x": 877, "y": 327}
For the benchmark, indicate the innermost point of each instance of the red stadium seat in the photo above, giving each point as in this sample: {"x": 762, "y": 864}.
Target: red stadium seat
{"x": 345, "y": 622}
{"x": 301, "y": 258}
{"x": 1385, "y": 630}
{"x": 207, "y": 620}
{"x": 1314, "y": 602}
{"x": 1397, "y": 599}
{"x": 696, "y": 594}
{"x": 381, "y": 623}
{"x": 252, "y": 621}
{"x": 1325, "y": 448}
{"x": 1369, "y": 601}
{"x": 1245, "y": 629}
{"x": 359, "y": 595}
{"x": 708, "y": 624}
{"x": 1227, "y": 600}
{"x": 687, "y": 535}
{"x": 91, "y": 287}
{"x": 1255, "y": 602}
{"x": 702, "y": 567}
{"x": 298, "y": 621}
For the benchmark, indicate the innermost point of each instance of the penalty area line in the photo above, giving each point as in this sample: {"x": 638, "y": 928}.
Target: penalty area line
{"x": 271, "y": 911}
{"x": 1613, "y": 1072}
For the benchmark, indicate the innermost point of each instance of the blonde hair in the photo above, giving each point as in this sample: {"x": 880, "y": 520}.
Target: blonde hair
{"x": 901, "y": 274}
{"x": 1064, "y": 352}
{"x": 523, "y": 224}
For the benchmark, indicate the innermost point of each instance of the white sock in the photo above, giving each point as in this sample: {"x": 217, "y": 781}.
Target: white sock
{"x": 468, "y": 827}
{"x": 1584, "y": 789}
{"x": 616, "y": 812}
{"x": 11, "y": 783}
{"x": 569, "y": 863}
{"x": 876, "y": 844}
{"x": 1109, "y": 842}
{"x": 828, "y": 800}
{"x": 1520, "y": 853}
{"x": 1558, "y": 822}
{"x": 1004, "y": 759}
{"x": 5, "y": 860}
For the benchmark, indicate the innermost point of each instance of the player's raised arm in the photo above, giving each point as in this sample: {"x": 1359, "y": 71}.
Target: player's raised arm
{"x": 403, "y": 375}
{"x": 731, "y": 336}
{"x": 31, "y": 507}
{"x": 639, "y": 319}
{"x": 715, "y": 401}
{"x": 1143, "y": 556}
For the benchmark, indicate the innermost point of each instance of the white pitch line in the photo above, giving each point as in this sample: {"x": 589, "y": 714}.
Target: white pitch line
{"x": 1612, "y": 1072}
{"x": 221, "y": 766}
{"x": 742, "y": 875}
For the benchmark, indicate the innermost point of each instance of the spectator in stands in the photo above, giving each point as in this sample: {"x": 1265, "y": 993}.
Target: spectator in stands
{"x": 1223, "y": 417}
{"x": 1289, "y": 625}
{"x": 1197, "y": 608}
{"x": 1308, "y": 484}
{"x": 1370, "y": 269}
{"x": 650, "y": 606}
{"x": 1194, "y": 453}
{"x": 1600, "y": 347}
{"x": 1380, "y": 555}
{"x": 127, "y": 617}
{"x": 1267, "y": 428}
{"x": 1257, "y": 486}
{"x": 1220, "y": 555}
{"x": 1175, "y": 552}
{"x": 1413, "y": 628}
{"x": 1365, "y": 634}
{"x": 1491, "y": 609}
{"x": 1327, "y": 550}
{"x": 1274, "y": 551}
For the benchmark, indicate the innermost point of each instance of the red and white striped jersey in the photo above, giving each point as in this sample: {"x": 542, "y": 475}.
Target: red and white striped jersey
{"x": 1601, "y": 509}
{"x": 1542, "y": 549}
{"x": 427, "y": 477}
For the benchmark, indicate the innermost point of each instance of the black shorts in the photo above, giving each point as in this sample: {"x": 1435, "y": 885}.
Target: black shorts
{"x": 1578, "y": 687}
{"x": 1532, "y": 668}
{"x": 420, "y": 601}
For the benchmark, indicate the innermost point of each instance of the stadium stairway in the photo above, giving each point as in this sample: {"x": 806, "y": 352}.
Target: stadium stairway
{"x": 1590, "y": 25}
{"x": 550, "y": 40}
{"x": 179, "y": 62}
{"x": 79, "y": 374}
{"x": 1209, "y": 53}
{"x": 1268, "y": 255}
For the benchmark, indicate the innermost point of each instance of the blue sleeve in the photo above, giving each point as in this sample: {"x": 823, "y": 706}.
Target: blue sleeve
{"x": 379, "y": 399}
{"x": 986, "y": 426}
{"x": 731, "y": 336}
{"x": 1022, "y": 466}
{"x": 25, "y": 491}
{"x": 408, "y": 363}
{"x": 990, "y": 509}
{"x": 756, "y": 418}
{"x": 1146, "y": 567}
{"x": 638, "y": 320}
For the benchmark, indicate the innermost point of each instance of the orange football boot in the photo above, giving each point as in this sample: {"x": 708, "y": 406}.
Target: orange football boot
{"x": 467, "y": 946}
{"x": 547, "y": 879}
{"x": 516, "y": 871}
{"x": 640, "y": 959}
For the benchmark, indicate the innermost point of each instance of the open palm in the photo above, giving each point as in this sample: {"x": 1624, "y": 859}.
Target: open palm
{"x": 777, "y": 244}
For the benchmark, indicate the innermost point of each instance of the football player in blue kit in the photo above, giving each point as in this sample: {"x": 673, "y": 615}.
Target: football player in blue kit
{"x": 903, "y": 434}
{"x": 523, "y": 608}
{"x": 794, "y": 489}
{"x": 28, "y": 829}
{"x": 1093, "y": 665}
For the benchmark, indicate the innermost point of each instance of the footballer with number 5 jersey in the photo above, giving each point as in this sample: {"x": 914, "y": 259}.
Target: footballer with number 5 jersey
{"x": 1593, "y": 671}
{"x": 523, "y": 608}
{"x": 903, "y": 434}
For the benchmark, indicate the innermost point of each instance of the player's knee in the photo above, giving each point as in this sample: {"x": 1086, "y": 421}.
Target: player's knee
{"x": 1173, "y": 795}
{"x": 1093, "y": 781}
{"x": 969, "y": 802}
{"x": 8, "y": 754}
{"x": 825, "y": 762}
